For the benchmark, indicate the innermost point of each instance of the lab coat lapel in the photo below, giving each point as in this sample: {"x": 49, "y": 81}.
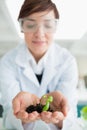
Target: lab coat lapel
{"x": 31, "y": 76}
{"x": 50, "y": 68}
{"x": 48, "y": 74}
{"x": 22, "y": 60}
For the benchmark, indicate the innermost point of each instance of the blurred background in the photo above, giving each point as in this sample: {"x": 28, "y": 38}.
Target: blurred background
{"x": 71, "y": 34}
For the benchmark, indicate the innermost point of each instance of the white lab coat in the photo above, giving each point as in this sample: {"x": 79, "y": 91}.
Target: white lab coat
{"x": 16, "y": 75}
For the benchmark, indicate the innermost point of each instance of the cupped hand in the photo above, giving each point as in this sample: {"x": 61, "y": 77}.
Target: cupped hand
{"x": 21, "y": 102}
{"x": 60, "y": 108}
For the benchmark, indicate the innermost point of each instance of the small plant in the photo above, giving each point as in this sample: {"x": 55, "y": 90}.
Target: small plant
{"x": 48, "y": 101}
{"x": 39, "y": 107}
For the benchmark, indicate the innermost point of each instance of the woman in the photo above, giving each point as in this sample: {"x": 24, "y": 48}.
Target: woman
{"x": 38, "y": 67}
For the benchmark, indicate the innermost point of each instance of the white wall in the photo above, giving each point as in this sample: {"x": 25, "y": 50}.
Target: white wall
{"x": 82, "y": 65}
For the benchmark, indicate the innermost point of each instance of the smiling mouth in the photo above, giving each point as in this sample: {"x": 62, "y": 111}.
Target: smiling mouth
{"x": 39, "y": 42}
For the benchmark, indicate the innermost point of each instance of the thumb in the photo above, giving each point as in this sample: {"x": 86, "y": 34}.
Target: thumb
{"x": 65, "y": 110}
{"x": 65, "y": 107}
{"x": 16, "y": 106}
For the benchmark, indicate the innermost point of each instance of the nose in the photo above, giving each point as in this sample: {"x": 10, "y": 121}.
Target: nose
{"x": 39, "y": 32}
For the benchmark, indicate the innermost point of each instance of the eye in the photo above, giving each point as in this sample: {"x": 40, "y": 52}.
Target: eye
{"x": 48, "y": 26}
{"x": 30, "y": 26}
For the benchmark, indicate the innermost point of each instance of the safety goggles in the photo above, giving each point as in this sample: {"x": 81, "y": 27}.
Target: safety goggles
{"x": 31, "y": 25}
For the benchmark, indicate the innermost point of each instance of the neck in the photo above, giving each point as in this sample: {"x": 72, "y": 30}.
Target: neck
{"x": 38, "y": 57}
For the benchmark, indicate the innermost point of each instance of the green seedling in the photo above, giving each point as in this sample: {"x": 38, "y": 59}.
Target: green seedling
{"x": 84, "y": 113}
{"x": 48, "y": 101}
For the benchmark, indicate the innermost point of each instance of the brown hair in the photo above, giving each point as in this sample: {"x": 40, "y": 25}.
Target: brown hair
{"x": 32, "y": 6}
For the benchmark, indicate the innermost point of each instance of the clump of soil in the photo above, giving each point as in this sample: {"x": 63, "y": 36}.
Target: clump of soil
{"x": 38, "y": 108}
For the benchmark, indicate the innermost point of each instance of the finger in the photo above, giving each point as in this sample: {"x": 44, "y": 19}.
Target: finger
{"x": 16, "y": 105}
{"x": 58, "y": 115}
{"x": 34, "y": 116}
{"x": 65, "y": 106}
{"x": 22, "y": 115}
{"x": 54, "y": 120}
{"x": 46, "y": 116}
{"x": 27, "y": 118}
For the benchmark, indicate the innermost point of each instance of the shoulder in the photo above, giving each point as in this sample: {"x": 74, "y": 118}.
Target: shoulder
{"x": 9, "y": 58}
{"x": 61, "y": 59}
{"x": 66, "y": 63}
{"x": 63, "y": 56}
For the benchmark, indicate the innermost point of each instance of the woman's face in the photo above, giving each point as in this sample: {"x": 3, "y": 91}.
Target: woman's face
{"x": 39, "y": 32}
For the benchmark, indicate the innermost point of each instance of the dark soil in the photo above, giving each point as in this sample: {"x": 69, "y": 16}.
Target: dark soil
{"x": 37, "y": 108}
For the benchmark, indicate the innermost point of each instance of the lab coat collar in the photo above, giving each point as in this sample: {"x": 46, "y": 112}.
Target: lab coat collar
{"x": 24, "y": 56}
{"x": 22, "y": 59}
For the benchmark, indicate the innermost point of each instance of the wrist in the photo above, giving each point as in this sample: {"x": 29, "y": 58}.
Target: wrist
{"x": 59, "y": 124}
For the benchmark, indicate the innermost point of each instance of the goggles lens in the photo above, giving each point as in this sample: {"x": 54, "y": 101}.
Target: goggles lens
{"x": 30, "y": 25}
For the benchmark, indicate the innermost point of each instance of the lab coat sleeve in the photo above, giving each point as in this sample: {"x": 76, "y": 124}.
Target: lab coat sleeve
{"x": 67, "y": 85}
{"x": 11, "y": 122}
{"x": 9, "y": 87}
